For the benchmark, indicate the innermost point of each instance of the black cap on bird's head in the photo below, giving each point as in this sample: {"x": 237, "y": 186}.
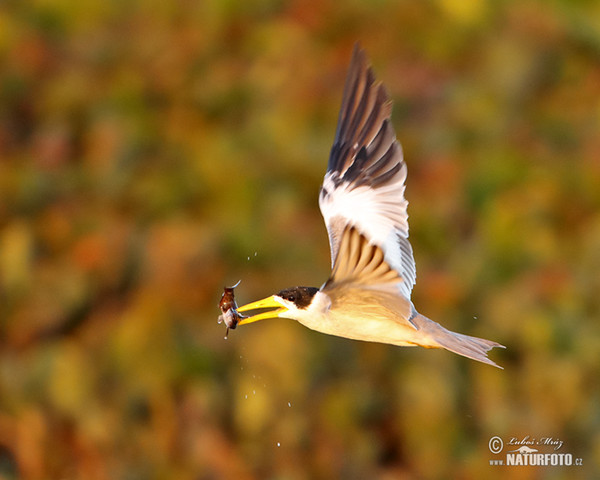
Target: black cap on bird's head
{"x": 286, "y": 301}
{"x": 299, "y": 296}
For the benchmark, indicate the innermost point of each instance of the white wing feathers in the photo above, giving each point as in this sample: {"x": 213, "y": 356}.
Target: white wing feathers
{"x": 364, "y": 182}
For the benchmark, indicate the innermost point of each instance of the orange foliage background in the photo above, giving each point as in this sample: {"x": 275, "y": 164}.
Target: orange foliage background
{"x": 152, "y": 152}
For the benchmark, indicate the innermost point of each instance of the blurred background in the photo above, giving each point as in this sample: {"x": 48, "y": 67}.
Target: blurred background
{"x": 153, "y": 152}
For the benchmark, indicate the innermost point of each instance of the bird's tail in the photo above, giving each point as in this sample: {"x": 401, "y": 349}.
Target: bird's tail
{"x": 465, "y": 345}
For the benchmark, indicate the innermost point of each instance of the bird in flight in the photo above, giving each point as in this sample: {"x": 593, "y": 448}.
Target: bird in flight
{"x": 367, "y": 296}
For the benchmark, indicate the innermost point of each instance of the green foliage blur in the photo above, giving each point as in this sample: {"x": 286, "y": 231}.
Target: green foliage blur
{"x": 153, "y": 152}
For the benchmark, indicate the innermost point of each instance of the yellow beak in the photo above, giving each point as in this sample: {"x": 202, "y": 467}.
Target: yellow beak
{"x": 269, "y": 302}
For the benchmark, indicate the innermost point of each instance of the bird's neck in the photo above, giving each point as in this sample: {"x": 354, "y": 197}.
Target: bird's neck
{"x": 316, "y": 313}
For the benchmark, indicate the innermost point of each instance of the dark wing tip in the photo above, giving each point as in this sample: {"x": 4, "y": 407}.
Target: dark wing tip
{"x": 363, "y": 132}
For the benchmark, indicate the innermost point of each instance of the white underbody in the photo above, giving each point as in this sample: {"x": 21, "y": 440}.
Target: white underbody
{"x": 377, "y": 325}
{"x": 352, "y": 317}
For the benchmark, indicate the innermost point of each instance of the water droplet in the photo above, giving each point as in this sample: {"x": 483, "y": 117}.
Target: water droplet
{"x": 246, "y": 396}
{"x": 253, "y": 392}
{"x": 278, "y": 444}
{"x": 289, "y": 404}
{"x": 255, "y": 253}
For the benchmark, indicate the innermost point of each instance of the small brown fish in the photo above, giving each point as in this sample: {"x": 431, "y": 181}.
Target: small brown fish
{"x": 228, "y": 306}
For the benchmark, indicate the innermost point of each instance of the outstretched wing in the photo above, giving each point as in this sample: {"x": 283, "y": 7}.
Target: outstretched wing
{"x": 360, "y": 272}
{"x": 364, "y": 185}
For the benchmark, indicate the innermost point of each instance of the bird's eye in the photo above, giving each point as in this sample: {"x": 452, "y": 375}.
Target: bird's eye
{"x": 291, "y": 297}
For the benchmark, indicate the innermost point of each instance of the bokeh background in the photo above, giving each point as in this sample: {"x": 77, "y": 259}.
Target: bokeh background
{"x": 153, "y": 152}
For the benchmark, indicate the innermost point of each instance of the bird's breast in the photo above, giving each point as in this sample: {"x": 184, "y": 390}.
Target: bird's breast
{"x": 355, "y": 319}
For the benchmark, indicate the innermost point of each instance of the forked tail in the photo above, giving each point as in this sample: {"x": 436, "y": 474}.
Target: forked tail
{"x": 465, "y": 345}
